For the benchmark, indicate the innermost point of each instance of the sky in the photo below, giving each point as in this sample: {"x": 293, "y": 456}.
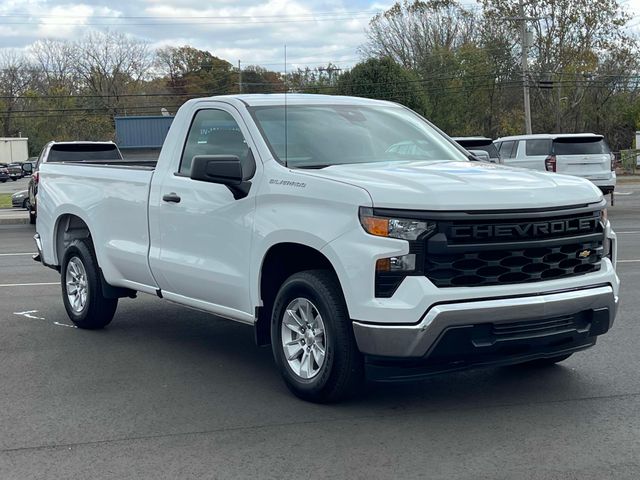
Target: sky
{"x": 316, "y": 32}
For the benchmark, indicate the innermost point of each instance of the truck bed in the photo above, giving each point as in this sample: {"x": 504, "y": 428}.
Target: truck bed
{"x": 112, "y": 197}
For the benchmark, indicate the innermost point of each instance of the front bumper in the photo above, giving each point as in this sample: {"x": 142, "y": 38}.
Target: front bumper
{"x": 556, "y": 316}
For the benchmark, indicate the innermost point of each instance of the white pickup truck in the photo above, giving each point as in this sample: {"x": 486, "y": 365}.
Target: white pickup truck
{"x": 355, "y": 237}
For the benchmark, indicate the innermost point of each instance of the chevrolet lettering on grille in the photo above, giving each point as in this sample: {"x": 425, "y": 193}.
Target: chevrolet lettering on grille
{"x": 524, "y": 230}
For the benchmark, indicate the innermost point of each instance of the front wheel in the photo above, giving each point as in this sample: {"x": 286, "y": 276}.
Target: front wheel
{"x": 82, "y": 295}
{"x": 312, "y": 338}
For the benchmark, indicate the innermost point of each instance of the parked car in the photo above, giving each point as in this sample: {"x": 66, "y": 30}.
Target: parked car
{"x": 584, "y": 155}
{"x": 73, "y": 152}
{"x": 20, "y": 199}
{"x": 4, "y": 173}
{"x": 350, "y": 254}
{"x": 15, "y": 171}
{"x": 480, "y": 143}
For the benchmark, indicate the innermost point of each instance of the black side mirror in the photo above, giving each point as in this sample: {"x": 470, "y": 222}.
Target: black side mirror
{"x": 27, "y": 167}
{"x": 221, "y": 169}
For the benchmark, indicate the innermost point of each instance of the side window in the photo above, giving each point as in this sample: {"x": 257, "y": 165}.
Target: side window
{"x": 508, "y": 149}
{"x": 538, "y": 147}
{"x": 213, "y": 132}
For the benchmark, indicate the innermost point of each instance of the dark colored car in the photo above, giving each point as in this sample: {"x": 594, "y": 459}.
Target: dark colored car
{"x": 4, "y": 173}
{"x": 20, "y": 199}
{"x": 15, "y": 171}
{"x": 68, "y": 152}
{"x": 480, "y": 143}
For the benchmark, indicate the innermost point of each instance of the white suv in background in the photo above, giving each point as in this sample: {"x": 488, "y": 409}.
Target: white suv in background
{"x": 583, "y": 155}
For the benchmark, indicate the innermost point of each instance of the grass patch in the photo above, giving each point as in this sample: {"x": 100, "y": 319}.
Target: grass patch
{"x": 5, "y": 200}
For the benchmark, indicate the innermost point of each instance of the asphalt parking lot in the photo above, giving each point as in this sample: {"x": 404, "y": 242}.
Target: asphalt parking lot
{"x": 167, "y": 392}
{"x": 12, "y": 187}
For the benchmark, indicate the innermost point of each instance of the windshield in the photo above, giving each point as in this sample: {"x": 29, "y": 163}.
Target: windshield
{"x": 318, "y": 136}
{"x": 580, "y": 146}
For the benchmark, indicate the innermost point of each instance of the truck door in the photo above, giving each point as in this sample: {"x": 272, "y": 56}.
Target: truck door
{"x": 200, "y": 235}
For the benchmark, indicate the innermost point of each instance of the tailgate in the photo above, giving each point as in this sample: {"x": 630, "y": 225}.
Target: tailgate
{"x": 587, "y": 157}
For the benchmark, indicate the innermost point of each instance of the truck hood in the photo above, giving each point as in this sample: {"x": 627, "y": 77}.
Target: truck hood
{"x": 449, "y": 185}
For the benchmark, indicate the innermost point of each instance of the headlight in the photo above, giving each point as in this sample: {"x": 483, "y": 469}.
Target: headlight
{"x": 390, "y": 272}
{"x": 402, "y": 228}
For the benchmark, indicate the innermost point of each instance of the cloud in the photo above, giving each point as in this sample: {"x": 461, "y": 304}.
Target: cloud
{"x": 252, "y": 31}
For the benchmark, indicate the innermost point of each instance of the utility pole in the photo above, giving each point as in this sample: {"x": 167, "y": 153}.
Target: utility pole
{"x": 525, "y": 70}
{"x": 239, "y": 76}
{"x": 524, "y": 41}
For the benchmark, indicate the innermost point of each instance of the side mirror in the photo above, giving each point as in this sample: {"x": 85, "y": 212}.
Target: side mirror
{"x": 481, "y": 155}
{"x": 27, "y": 167}
{"x": 223, "y": 169}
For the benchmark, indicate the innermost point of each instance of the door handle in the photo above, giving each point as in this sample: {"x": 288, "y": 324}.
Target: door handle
{"x": 171, "y": 197}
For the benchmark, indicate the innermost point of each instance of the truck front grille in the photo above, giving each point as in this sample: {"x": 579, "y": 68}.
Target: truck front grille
{"x": 496, "y": 267}
{"x": 505, "y": 251}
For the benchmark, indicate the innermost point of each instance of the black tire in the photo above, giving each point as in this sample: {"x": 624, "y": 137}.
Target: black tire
{"x": 546, "y": 362}
{"x": 3, "y": 180}
{"x": 32, "y": 216}
{"x": 98, "y": 311}
{"x": 342, "y": 372}
{"x": 14, "y": 178}
{"x": 25, "y": 204}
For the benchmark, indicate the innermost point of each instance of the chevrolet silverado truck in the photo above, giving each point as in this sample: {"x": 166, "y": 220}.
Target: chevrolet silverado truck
{"x": 356, "y": 238}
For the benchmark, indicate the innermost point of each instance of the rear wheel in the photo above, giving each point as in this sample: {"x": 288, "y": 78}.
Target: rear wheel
{"x": 312, "y": 338}
{"x": 82, "y": 289}
{"x": 25, "y": 204}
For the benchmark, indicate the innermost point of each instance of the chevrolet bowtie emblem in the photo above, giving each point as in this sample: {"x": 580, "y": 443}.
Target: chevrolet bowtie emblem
{"x": 584, "y": 253}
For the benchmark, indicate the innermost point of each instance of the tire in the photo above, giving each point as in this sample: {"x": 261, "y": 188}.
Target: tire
{"x": 546, "y": 362}
{"x": 3, "y": 180}
{"x": 25, "y": 204}
{"x": 338, "y": 373}
{"x": 79, "y": 264}
{"x": 14, "y": 179}
{"x": 32, "y": 216}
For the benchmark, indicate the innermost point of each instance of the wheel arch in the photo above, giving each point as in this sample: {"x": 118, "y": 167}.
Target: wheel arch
{"x": 68, "y": 227}
{"x": 279, "y": 262}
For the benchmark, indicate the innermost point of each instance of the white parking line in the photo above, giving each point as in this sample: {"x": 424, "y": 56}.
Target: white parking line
{"x": 636, "y": 232}
{"x": 629, "y": 261}
{"x": 27, "y": 284}
{"x": 15, "y": 254}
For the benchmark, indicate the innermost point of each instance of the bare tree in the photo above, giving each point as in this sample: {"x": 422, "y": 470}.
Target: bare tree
{"x": 111, "y": 64}
{"x": 410, "y": 32}
{"x": 55, "y": 64}
{"x": 15, "y": 77}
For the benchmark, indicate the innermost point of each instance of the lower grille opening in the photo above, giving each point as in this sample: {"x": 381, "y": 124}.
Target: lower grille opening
{"x": 509, "y": 266}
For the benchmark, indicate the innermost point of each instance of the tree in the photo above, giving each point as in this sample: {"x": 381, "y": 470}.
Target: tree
{"x": 192, "y": 71}
{"x": 583, "y": 50}
{"x": 110, "y": 65}
{"x": 412, "y": 32}
{"x": 15, "y": 77}
{"x": 383, "y": 79}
